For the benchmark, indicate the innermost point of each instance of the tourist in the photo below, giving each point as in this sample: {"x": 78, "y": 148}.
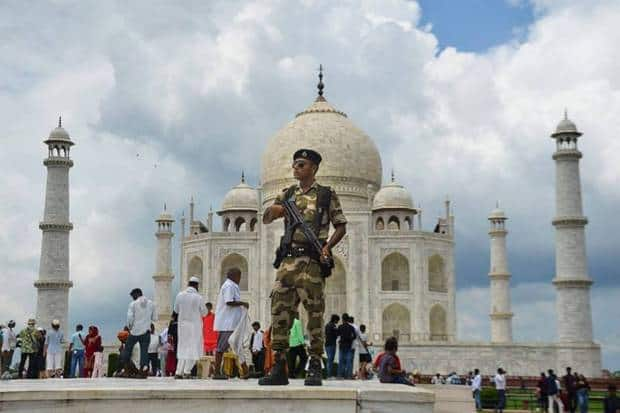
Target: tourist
{"x": 347, "y": 334}
{"x": 9, "y": 341}
{"x": 227, "y": 316}
{"x": 258, "y": 350}
{"x": 92, "y": 344}
{"x": 543, "y": 393}
{"x": 269, "y": 359}
{"x": 54, "y": 351}
{"x": 76, "y": 348}
{"x": 611, "y": 403}
{"x": 140, "y": 314}
{"x": 173, "y": 339}
{"x": 583, "y": 392}
{"x": 163, "y": 351}
{"x": 500, "y": 386}
{"x": 571, "y": 391}
{"x": 364, "y": 353}
{"x": 297, "y": 349}
{"x": 390, "y": 370}
{"x": 29, "y": 346}
{"x": 437, "y": 379}
{"x": 476, "y": 387}
{"x": 208, "y": 333}
{"x": 153, "y": 350}
{"x": 190, "y": 307}
{"x": 40, "y": 355}
{"x": 355, "y": 346}
{"x": 331, "y": 336}
{"x": 553, "y": 390}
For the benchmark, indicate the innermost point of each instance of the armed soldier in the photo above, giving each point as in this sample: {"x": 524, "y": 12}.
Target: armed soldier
{"x": 304, "y": 261}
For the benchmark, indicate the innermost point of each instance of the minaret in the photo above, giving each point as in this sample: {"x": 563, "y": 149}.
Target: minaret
{"x": 501, "y": 316}
{"x": 571, "y": 281}
{"x": 163, "y": 269}
{"x": 54, "y": 283}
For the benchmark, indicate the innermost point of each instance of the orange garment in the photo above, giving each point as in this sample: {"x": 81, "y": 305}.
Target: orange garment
{"x": 209, "y": 336}
{"x": 268, "y": 352}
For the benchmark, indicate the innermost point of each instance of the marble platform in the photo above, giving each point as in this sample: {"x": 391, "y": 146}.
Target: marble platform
{"x": 111, "y": 395}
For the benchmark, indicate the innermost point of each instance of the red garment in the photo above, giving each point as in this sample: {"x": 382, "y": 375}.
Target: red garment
{"x": 92, "y": 344}
{"x": 209, "y": 335}
{"x": 378, "y": 361}
{"x": 171, "y": 363}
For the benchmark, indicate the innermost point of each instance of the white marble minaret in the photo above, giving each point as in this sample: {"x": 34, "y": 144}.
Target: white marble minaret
{"x": 571, "y": 281}
{"x": 163, "y": 269}
{"x": 501, "y": 316}
{"x": 54, "y": 283}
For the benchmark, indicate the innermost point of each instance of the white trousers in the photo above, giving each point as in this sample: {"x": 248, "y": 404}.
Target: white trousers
{"x": 98, "y": 365}
{"x": 184, "y": 366}
{"x": 557, "y": 400}
{"x": 54, "y": 361}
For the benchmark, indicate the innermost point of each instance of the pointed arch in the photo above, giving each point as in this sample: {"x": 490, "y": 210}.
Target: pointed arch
{"x": 396, "y": 322}
{"x": 395, "y": 273}
{"x": 194, "y": 268}
{"x": 393, "y": 223}
{"x": 239, "y": 261}
{"x": 438, "y": 323}
{"x": 226, "y": 224}
{"x": 379, "y": 224}
{"x": 408, "y": 223}
{"x": 240, "y": 225}
{"x": 437, "y": 280}
{"x": 253, "y": 224}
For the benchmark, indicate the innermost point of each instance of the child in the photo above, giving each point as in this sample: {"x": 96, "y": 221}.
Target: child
{"x": 389, "y": 365}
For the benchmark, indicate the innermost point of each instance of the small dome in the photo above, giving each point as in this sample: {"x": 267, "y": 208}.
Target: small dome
{"x": 241, "y": 198}
{"x": 566, "y": 126}
{"x": 59, "y": 133}
{"x": 392, "y": 196}
{"x": 165, "y": 216}
{"x": 497, "y": 213}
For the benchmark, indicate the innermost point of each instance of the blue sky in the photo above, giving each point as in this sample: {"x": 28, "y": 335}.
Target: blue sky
{"x": 476, "y": 25}
{"x": 459, "y": 96}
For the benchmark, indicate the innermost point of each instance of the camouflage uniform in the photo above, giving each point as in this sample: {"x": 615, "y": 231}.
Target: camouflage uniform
{"x": 299, "y": 278}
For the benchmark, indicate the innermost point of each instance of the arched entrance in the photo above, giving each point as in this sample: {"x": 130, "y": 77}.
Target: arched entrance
{"x": 235, "y": 260}
{"x": 397, "y": 323}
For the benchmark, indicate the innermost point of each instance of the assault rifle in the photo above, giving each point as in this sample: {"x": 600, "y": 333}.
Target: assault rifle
{"x": 294, "y": 220}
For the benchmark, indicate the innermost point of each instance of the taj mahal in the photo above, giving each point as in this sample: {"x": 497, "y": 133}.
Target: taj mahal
{"x": 391, "y": 274}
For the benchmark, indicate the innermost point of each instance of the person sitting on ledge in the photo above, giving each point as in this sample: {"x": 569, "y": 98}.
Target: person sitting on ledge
{"x": 389, "y": 365}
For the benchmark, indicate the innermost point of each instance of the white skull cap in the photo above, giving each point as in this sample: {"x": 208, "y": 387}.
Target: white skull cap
{"x": 194, "y": 279}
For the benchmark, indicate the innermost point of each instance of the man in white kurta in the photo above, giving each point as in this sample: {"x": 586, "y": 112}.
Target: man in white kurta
{"x": 190, "y": 307}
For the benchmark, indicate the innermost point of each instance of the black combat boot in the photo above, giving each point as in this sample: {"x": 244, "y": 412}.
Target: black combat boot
{"x": 278, "y": 376}
{"x": 314, "y": 376}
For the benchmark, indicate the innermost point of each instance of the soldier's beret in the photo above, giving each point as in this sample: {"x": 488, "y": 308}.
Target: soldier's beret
{"x": 308, "y": 154}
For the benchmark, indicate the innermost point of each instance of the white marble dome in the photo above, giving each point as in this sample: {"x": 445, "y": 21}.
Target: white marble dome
{"x": 59, "y": 133}
{"x": 566, "y": 126}
{"x": 392, "y": 196}
{"x": 350, "y": 163}
{"x": 497, "y": 213}
{"x": 241, "y": 198}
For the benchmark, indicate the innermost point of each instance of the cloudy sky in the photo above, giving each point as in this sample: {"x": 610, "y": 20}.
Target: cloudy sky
{"x": 460, "y": 97}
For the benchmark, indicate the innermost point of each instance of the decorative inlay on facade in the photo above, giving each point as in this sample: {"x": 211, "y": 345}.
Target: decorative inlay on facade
{"x": 567, "y": 154}
{"x": 52, "y": 226}
{"x": 342, "y": 248}
{"x": 223, "y": 252}
{"x": 387, "y": 251}
{"x": 567, "y": 221}
{"x": 62, "y": 162}
{"x": 53, "y": 284}
{"x": 571, "y": 283}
